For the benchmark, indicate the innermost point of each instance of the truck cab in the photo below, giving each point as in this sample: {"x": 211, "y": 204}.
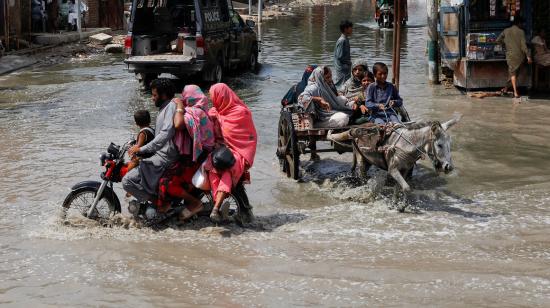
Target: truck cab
{"x": 203, "y": 38}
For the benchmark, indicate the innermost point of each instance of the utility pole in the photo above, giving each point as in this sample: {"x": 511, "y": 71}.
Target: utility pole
{"x": 396, "y": 61}
{"x": 433, "y": 43}
{"x": 78, "y": 21}
{"x": 43, "y": 13}
{"x": 249, "y": 7}
{"x": 6, "y": 22}
{"x": 259, "y": 11}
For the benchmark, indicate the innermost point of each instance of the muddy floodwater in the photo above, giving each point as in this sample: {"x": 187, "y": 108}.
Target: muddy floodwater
{"x": 476, "y": 237}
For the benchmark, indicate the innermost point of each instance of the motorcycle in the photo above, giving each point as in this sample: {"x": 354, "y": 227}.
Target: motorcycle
{"x": 385, "y": 13}
{"x": 384, "y": 16}
{"x": 98, "y": 200}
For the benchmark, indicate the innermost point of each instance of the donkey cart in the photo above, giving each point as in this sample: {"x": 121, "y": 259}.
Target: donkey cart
{"x": 295, "y": 136}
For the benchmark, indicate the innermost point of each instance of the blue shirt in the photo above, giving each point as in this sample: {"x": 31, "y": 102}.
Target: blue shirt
{"x": 377, "y": 95}
{"x": 342, "y": 61}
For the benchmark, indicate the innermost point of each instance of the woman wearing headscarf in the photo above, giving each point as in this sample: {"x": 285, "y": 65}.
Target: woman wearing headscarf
{"x": 234, "y": 127}
{"x": 320, "y": 98}
{"x": 192, "y": 114}
{"x": 291, "y": 97}
{"x": 354, "y": 90}
{"x": 352, "y": 87}
{"x": 194, "y": 139}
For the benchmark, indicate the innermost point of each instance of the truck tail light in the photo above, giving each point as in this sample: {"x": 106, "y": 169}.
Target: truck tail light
{"x": 201, "y": 48}
{"x": 128, "y": 45}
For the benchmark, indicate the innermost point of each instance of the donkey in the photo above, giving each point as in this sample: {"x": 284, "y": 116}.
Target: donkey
{"x": 399, "y": 152}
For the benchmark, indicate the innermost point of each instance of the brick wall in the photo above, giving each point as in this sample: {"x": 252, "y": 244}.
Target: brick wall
{"x": 92, "y": 18}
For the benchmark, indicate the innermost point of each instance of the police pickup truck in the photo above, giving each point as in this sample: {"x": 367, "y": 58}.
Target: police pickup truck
{"x": 203, "y": 38}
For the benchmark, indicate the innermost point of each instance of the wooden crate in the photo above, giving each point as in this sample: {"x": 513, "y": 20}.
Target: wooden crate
{"x": 302, "y": 121}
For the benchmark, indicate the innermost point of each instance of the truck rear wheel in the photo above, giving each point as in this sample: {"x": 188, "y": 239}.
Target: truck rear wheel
{"x": 145, "y": 79}
{"x": 217, "y": 73}
{"x": 253, "y": 64}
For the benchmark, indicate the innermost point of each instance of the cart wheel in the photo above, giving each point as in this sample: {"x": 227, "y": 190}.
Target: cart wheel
{"x": 289, "y": 156}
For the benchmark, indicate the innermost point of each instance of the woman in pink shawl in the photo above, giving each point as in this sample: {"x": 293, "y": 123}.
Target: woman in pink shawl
{"x": 192, "y": 113}
{"x": 194, "y": 137}
{"x": 233, "y": 126}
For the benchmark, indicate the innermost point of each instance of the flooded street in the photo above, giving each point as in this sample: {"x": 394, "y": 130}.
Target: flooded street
{"x": 476, "y": 237}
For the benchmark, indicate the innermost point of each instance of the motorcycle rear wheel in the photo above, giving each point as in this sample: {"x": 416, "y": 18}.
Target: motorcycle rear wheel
{"x": 240, "y": 209}
{"x": 243, "y": 215}
{"x": 79, "y": 201}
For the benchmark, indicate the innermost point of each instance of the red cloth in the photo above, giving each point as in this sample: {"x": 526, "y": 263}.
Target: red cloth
{"x": 227, "y": 179}
{"x": 233, "y": 124}
{"x": 173, "y": 182}
{"x": 235, "y": 120}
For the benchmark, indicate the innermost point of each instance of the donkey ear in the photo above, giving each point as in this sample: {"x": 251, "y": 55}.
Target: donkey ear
{"x": 451, "y": 122}
{"x": 436, "y": 128}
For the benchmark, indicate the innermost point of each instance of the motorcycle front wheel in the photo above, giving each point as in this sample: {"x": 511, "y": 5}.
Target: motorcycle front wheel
{"x": 78, "y": 202}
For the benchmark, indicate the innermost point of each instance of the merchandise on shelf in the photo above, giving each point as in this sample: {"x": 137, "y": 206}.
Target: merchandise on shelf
{"x": 483, "y": 46}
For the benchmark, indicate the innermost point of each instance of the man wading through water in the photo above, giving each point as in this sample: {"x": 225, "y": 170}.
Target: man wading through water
{"x": 342, "y": 55}
{"x": 513, "y": 39}
{"x": 142, "y": 182}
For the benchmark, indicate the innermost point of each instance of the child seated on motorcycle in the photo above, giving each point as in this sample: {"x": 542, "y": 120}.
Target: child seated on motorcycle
{"x": 360, "y": 111}
{"x": 145, "y": 135}
{"x": 382, "y": 96}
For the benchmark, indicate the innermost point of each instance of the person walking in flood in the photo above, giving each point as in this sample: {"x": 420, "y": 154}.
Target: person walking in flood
{"x": 513, "y": 39}
{"x": 342, "y": 55}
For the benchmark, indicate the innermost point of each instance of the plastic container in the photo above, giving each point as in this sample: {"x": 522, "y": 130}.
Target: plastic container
{"x": 200, "y": 179}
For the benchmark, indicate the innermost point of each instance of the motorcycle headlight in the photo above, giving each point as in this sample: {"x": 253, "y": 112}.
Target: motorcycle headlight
{"x": 113, "y": 149}
{"x": 104, "y": 157}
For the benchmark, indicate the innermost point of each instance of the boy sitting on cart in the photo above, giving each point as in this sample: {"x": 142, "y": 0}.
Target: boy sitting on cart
{"x": 383, "y": 97}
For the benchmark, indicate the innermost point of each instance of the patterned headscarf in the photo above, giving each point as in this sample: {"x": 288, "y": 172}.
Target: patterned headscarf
{"x": 196, "y": 121}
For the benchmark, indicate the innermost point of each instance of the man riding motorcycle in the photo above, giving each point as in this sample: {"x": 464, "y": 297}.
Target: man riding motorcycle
{"x": 184, "y": 139}
{"x": 142, "y": 182}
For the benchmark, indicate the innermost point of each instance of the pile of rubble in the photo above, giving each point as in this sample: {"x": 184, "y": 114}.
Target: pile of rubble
{"x": 109, "y": 43}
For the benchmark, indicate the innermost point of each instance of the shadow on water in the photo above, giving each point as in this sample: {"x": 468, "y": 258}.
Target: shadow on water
{"x": 236, "y": 79}
{"x": 429, "y": 188}
{"x": 432, "y": 195}
{"x": 13, "y": 88}
{"x": 325, "y": 169}
{"x": 268, "y": 223}
{"x": 446, "y": 201}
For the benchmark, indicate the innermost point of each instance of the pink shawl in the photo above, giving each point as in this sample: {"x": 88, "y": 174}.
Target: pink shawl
{"x": 235, "y": 119}
{"x": 197, "y": 123}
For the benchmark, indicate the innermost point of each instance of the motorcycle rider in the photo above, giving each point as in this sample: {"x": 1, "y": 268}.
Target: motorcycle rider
{"x": 142, "y": 182}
